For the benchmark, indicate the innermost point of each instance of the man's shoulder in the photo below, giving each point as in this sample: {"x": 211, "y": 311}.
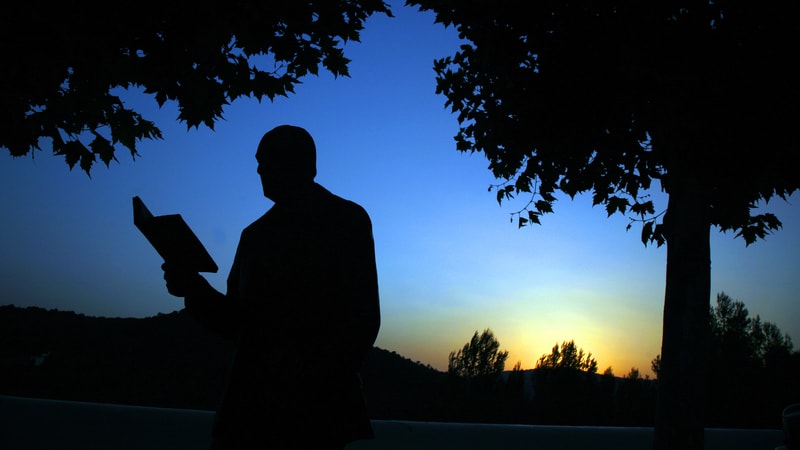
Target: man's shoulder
{"x": 340, "y": 204}
{"x": 261, "y": 222}
{"x": 326, "y": 207}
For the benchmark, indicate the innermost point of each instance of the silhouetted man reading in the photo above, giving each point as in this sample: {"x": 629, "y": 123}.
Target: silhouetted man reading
{"x": 302, "y": 303}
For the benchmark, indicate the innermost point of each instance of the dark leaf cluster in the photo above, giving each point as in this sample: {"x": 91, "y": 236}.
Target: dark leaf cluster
{"x": 65, "y": 63}
{"x": 568, "y": 357}
{"x": 480, "y": 357}
{"x": 752, "y": 368}
{"x": 615, "y": 98}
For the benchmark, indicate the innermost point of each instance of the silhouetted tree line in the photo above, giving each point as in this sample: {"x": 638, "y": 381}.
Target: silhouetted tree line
{"x": 753, "y": 371}
{"x": 753, "y": 374}
{"x": 563, "y": 389}
{"x": 168, "y": 360}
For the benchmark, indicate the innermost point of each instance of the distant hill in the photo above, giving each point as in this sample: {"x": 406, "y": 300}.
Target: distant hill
{"x": 167, "y": 360}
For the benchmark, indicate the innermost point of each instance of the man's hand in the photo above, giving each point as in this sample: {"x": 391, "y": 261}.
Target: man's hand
{"x": 184, "y": 283}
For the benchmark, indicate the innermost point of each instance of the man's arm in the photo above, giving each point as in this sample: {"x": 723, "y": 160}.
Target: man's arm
{"x": 362, "y": 284}
{"x": 204, "y": 303}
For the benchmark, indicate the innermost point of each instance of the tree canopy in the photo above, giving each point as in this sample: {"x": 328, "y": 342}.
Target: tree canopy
{"x": 66, "y": 63}
{"x": 569, "y": 357}
{"x": 740, "y": 340}
{"x": 614, "y": 99}
{"x": 480, "y": 357}
{"x": 747, "y": 351}
{"x": 609, "y": 97}
{"x": 752, "y": 367}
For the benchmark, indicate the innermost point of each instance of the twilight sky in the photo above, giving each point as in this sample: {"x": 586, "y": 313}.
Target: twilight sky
{"x": 449, "y": 261}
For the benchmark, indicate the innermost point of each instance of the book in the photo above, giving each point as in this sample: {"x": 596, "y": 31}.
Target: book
{"x": 172, "y": 238}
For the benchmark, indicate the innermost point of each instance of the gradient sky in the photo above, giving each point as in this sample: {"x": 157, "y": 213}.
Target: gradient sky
{"x": 449, "y": 261}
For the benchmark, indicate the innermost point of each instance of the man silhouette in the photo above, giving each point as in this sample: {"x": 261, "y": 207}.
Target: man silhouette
{"x": 302, "y": 302}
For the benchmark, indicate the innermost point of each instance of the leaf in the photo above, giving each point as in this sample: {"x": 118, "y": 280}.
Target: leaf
{"x": 544, "y": 206}
{"x": 647, "y": 232}
{"x": 103, "y": 148}
{"x": 72, "y": 151}
{"x": 615, "y": 204}
{"x": 87, "y": 160}
{"x": 499, "y": 195}
{"x": 658, "y": 235}
{"x": 642, "y": 209}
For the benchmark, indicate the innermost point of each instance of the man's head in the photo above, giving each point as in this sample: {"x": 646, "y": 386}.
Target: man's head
{"x": 287, "y": 161}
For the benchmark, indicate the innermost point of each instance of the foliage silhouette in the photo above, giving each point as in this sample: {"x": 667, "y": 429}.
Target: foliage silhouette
{"x": 610, "y": 97}
{"x": 751, "y": 377}
{"x": 565, "y": 385}
{"x": 62, "y": 84}
{"x": 480, "y": 357}
{"x": 474, "y": 375}
{"x": 746, "y": 351}
{"x": 655, "y": 365}
{"x": 568, "y": 357}
{"x": 635, "y": 399}
{"x": 169, "y": 361}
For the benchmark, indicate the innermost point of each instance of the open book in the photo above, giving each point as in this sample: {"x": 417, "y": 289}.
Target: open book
{"x": 173, "y": 239}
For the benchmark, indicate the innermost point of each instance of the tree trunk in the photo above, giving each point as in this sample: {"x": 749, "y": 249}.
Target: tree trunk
{"x": 680, "y": 408}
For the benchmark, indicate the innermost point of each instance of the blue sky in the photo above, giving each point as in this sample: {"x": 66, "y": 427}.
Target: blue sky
{"x": 449, "y": 261}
